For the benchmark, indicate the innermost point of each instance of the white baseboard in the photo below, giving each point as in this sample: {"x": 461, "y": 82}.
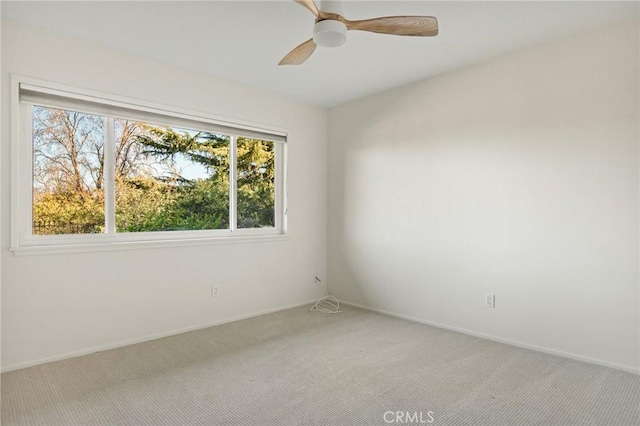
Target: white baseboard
{"x": 297, "y": 305}
{"x": 149, "y": 337}
{"x": 569, "y": 355}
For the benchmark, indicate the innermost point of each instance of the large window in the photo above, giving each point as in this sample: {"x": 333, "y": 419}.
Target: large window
{"x": 102, "y": 170}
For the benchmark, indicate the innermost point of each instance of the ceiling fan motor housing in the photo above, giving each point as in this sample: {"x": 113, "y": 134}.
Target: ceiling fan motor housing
{"x": 329, "y": 33}
{"x": 332, "y": 6}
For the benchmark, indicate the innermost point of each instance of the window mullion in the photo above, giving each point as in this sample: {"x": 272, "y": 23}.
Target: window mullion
{"x": 233, "y": 184}
{"x": 109, "y": 175}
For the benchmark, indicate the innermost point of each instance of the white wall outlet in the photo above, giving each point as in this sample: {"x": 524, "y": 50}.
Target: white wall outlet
{"x": 490, "y": 300}
{"x": 214, "y": 291}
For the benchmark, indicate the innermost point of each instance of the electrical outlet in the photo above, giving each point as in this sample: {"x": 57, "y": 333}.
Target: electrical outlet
{"x": 490, "y": 300}
{"x": 214, "y": 291}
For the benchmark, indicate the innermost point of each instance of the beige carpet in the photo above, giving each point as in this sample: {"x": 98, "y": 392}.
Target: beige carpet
{"x": 304, "y": 368}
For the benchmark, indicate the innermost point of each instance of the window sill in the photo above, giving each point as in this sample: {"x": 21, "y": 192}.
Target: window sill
{"x": 138, "y": 245}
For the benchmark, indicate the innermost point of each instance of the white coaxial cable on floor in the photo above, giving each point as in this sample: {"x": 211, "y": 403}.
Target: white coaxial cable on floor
{"x": 327, "y": 305}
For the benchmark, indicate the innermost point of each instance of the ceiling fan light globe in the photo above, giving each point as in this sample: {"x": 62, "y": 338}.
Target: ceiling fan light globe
{"x": 329, "y": 33}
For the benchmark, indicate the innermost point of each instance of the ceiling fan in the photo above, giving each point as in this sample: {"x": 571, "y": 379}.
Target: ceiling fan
{"x": 330, "y": 29}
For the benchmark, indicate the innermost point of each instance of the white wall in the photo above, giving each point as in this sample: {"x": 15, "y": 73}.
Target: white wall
{"x": 56, "y": 305}
{"x": 518, "y": 177}
{"x": 2, "y": 202}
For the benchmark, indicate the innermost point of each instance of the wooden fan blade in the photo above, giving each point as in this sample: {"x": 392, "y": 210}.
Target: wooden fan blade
{"x": 420, "y": 26}
{"x": 309, "y": 4}
{"x": 299, "y": 54}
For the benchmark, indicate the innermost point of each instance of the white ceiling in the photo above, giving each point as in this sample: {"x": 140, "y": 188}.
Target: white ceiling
{"x": 244, "y": 40}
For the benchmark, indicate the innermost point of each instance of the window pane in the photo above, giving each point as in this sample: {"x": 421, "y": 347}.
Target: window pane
{"x": 170, "y": 179}
{"x": 68, "y": 172}
{"x": 256, "y": 183}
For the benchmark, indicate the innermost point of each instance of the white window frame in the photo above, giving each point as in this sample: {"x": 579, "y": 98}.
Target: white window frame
{"x": 24, "y": 242}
